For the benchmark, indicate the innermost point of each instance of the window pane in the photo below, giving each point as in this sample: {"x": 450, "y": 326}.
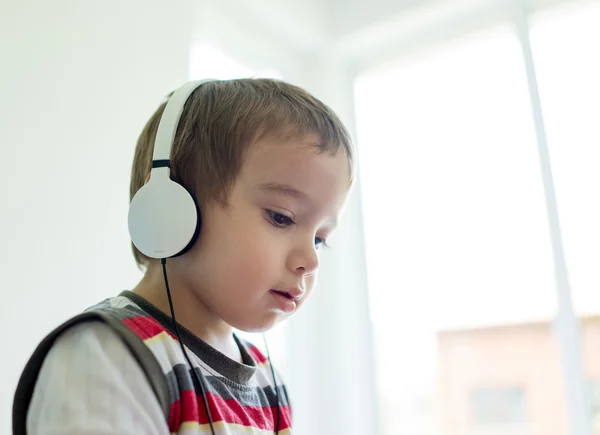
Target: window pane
{"x": 503, "y": 406}
{"x": 459, "y": 259}
{"x": 566, "y": 45}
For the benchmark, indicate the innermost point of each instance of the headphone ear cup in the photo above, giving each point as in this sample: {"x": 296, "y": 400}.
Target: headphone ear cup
{"x": 196, "y": 231}
{"x": 163, "y": 218}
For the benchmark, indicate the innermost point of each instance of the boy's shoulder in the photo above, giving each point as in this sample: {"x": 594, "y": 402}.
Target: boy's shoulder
{"x": 119, "y": 306}
{"x": 101, "y": 337}
{"x": 129, "y": 313}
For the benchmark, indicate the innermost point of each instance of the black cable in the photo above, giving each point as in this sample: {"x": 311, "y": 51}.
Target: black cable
{"x": 274, "y": 385}
{"x": 198, "y": 376}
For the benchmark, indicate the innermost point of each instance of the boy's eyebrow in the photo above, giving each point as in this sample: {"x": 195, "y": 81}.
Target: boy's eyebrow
{"x": 283, "y": 189}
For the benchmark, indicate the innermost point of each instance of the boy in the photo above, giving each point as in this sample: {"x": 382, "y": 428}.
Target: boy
{"x": 270, "y": 168}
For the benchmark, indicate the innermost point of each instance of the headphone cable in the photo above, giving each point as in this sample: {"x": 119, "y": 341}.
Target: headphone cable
{"x": 199, "y": 377}
{"x": 274, "y": 385}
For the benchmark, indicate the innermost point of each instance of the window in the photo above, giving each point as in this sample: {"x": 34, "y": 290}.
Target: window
{"x": 498, "y": 406}
{"x": 455, "y": 228}
{"x": 459, "y": 257}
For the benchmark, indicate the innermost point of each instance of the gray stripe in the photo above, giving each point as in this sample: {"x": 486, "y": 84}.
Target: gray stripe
{"x": 181, "y": 379}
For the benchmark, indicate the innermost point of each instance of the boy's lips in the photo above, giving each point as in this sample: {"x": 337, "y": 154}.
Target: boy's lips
{"x": 286, "y": 300}
{"x": 292, "y": 294}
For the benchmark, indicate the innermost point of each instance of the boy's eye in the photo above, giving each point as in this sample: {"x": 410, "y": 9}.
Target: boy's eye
{"x": 279, "y": 219}
{"x": 282, "y": 221}
{"x": 320, "y": 242}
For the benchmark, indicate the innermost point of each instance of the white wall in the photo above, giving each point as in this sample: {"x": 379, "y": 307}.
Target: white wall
{"x": 297, "y": 25}
{"x": 347, "y": 16}
{"x": 77, "y": 82}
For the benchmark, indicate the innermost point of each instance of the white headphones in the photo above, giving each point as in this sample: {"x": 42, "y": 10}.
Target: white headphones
{"x": 164, "y": 219}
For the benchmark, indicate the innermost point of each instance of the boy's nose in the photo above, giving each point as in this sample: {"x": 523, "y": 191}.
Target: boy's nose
{"x": 304, "y": 261}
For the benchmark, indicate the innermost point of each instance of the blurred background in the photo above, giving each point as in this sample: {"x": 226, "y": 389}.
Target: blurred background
{"x": 456, "y": 298}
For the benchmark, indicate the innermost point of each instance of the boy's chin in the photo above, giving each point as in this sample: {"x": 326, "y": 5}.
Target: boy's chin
{"x": 259, "y": 327}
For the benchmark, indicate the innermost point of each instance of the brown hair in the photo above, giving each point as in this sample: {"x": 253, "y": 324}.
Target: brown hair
{"x": 220, "y": 120}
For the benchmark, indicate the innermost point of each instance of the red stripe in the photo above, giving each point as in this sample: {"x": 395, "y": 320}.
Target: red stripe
{"x": 256, "y": 354}
{"x": 145, "y": 326}
{"x": 175, "y": 416}
{"x": 229, "y": 411}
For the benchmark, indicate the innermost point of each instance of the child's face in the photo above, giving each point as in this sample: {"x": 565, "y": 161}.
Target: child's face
{"x": 286, "y": 201}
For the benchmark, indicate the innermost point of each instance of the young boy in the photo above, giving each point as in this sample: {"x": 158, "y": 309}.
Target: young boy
{"x": 269, "y": 167}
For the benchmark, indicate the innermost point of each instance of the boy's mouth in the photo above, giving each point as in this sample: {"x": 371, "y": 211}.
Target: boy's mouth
{"x": 287, "y": 300}
{"x": 284, "y": 294}
{"x": 293, "y": 294}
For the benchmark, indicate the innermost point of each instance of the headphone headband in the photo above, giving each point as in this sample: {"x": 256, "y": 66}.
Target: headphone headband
{"x": 170, "y": 120}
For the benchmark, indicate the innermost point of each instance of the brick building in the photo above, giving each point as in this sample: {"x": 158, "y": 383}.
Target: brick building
{"x": 507, "y": 380}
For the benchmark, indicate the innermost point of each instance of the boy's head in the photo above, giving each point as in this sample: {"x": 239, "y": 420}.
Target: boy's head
{"x": 270, "y": 167}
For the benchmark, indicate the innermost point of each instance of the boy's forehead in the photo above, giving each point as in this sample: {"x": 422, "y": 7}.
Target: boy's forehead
{"x": 293, "y": 157}
{"x": 296, "y": 163}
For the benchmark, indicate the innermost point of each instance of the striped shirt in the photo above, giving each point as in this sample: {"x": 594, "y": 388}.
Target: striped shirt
{"x": 91, "y": 384}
